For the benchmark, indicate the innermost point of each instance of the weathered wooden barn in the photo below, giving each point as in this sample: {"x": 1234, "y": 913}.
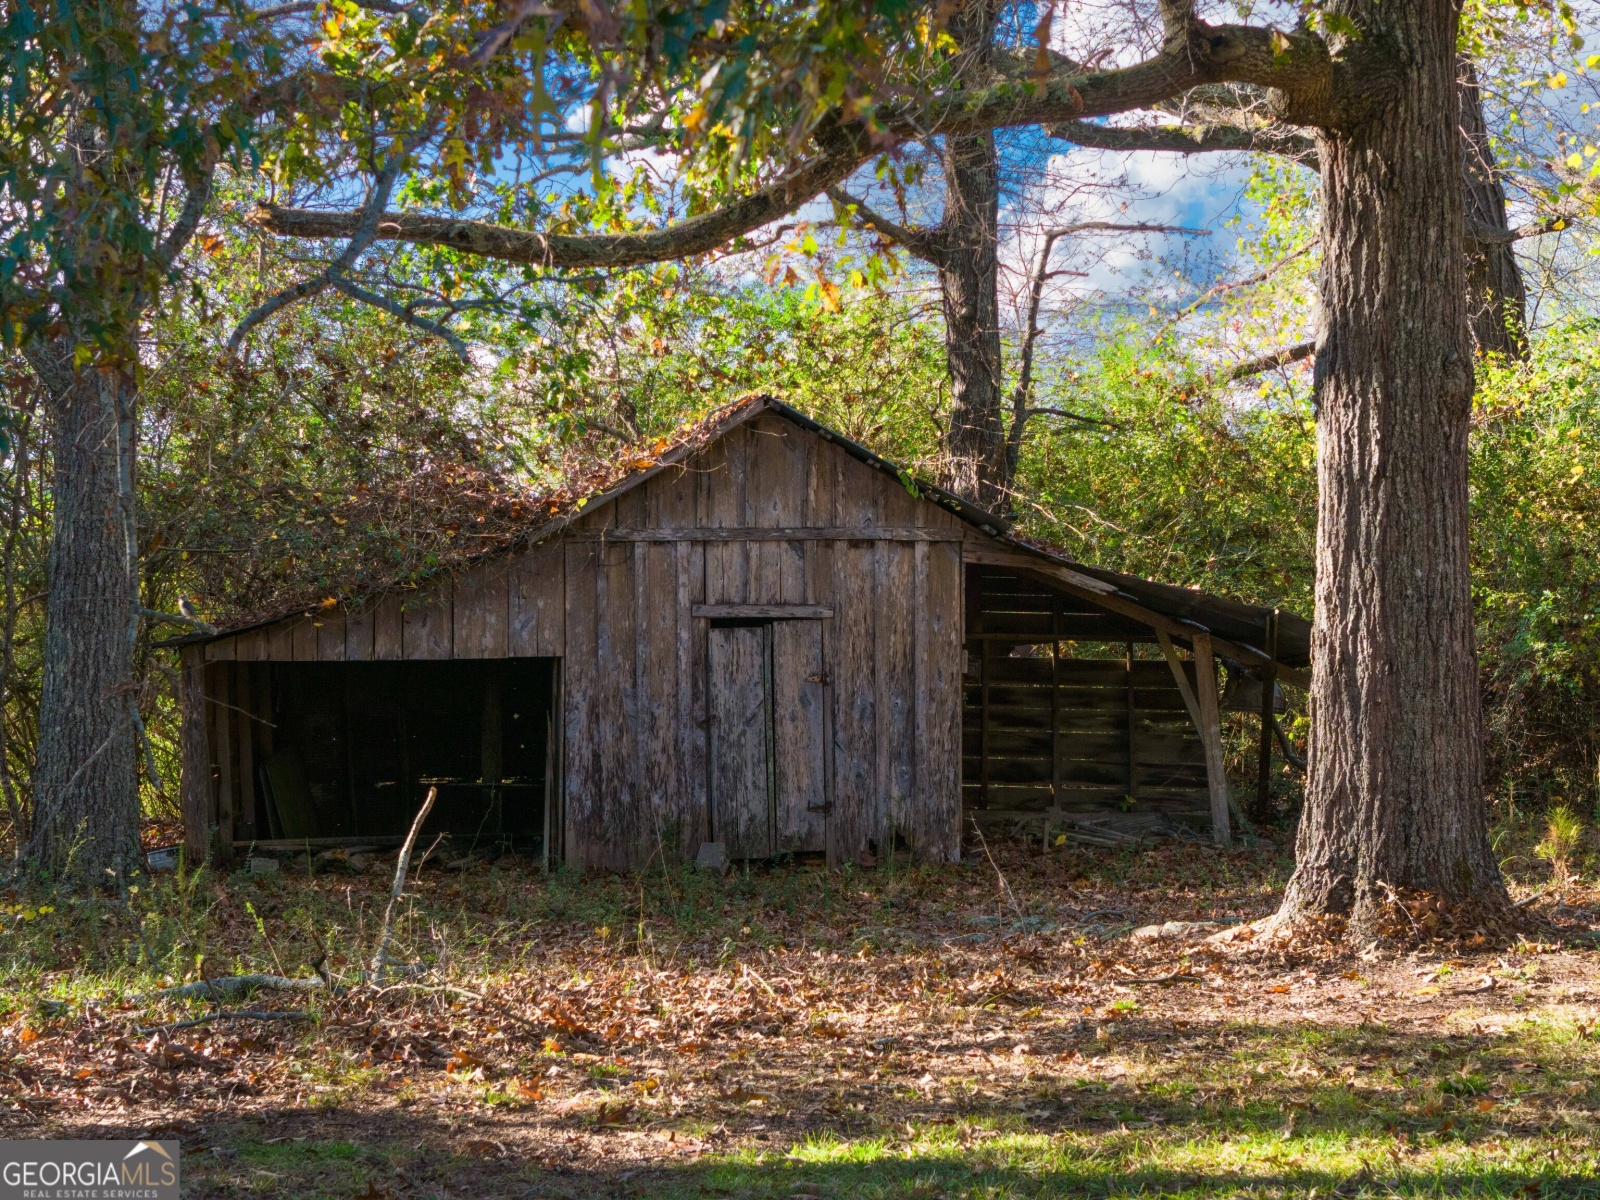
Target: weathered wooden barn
{"x": 769, "y": 638}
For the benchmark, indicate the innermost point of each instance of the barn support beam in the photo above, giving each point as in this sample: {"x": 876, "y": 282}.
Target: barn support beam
{"x": 1206, "y": 715}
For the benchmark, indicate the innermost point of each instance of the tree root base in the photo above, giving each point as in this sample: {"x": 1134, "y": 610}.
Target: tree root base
{"x": 1398, "y": 919}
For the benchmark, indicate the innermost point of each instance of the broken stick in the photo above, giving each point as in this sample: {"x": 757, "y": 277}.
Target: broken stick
{"x": 380, "y": 959}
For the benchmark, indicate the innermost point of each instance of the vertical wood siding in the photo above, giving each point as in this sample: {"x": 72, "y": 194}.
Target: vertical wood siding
{"x": 635, "y": 658}
{"x": 883, "y": 695}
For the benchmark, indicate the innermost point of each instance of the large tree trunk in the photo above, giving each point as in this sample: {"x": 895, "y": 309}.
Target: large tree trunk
{"x": 1394, "y": 799}
{"x": 86, "y": 800}
{"x": 1497, "y": 302}
{"x": 968, "y": 286}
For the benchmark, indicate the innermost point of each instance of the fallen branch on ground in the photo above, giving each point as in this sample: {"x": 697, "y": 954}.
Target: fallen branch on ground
{"x": 230, "y": 986}
{"x": 239, "y": 1015}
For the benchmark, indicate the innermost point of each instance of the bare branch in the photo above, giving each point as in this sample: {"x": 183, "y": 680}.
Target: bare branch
{"x": 1222, "y": 137}
{"x": 364, "y": 234}
{"x": 1271, "y": 362}
{"x": 925, "y": 243}
{"x": 1234, "y": 285}
{"x": 695, "y": 235}
{"x": 1120, "y": 227}
{"x": 494, "y": 40}
{"x": 1486, "y": 235}
{"x": 1020, "y": 412}
{"x": 197, "y": 186}
{"x": 194, "y": 623}
{"x": 1072, "y": 416}
{"x": 394, "y": 308}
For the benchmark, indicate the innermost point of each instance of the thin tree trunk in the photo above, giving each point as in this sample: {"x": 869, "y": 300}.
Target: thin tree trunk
{"x": 1394, "y": 800}
{"x": 968, "y": 286}
{"x": 1497, "y": 302}
{"x": 86, "y": 802}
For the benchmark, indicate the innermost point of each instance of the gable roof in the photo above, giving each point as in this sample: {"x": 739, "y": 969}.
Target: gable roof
{"x": 1188, "y": 610}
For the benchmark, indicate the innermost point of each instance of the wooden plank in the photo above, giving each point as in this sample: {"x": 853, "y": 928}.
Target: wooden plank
{"x": 250, "y": 646}
{"x": 799, "y": 733}
{"x": 1269, "y": 679}
{"x": 480, "y": 610}
{"x": 221, "y": 650}
{"x": 427, "y": 622}
{"x": 741, "y": 752}
{"x": 358, "y": 624}
{"x": 857, "y": 819}
{"x": 579, "y": 669}
{"x": 763, "y": 533}
{"x": 780, "y": 612}
{"x": 1211, "y": 734}
{"x": 1190, "y": 702}
{"x": 387, "y": 619}
{"x": 304, "y": 636}
{"x": 1133, "y": 728}
{"x": 1105, "y": 596}
{"x": 722, "y": 504}
{"x": 894, "y": 669}
{"x": 938, "y": 703}
{"x": 537, "y": 600}
{"x": 775, "y": 498}
{"x": 672, "y": 816}
{"x": 195, "y": 790}
{"x": 689, "y": 565}
{"x": 616, "y": 834}
{"x": 330, "y": 637}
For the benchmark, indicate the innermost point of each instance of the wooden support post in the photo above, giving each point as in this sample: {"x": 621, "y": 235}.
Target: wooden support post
{"x": 1205, "y": 671}
{"x": 195, "y": 786}
{"x": 1133, "y": 727}
{"x": 1269, "y": 687}
{"x": 1210, "y": 730}
{"x": 1055, "y": 717}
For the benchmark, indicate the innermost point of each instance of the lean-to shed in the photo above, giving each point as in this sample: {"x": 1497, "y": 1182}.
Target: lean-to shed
{"x": 768, "y": 637}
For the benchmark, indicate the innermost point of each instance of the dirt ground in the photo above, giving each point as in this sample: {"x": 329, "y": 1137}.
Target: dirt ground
{"x": 1006, "y": 1027}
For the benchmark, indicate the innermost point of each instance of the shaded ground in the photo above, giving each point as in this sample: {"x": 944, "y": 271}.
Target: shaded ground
{"x": 988, "y": 1030}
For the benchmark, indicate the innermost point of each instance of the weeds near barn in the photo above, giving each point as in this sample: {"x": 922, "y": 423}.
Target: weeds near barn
{"x": 1563, "y": 837}
{"x": 893, "y": 1033}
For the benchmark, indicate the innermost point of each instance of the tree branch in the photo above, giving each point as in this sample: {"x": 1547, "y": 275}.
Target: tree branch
{"x": 1072, "y": 416}
{"x": 1235, "y": 284}
{"x": 1020, "y": 412}
{"x": 197, "y": 188}
{"x": 394, "y": 308}
{"x": 925, "y": 243}
{"x": 194, "y": 623}
{"x": 361, "y": 238}
{"x": 1271, "y": 362}
{"x": 1306, "y": 86}
{"x": 694, "y": 235}
{"x": 1221, "y": 137}
{"x": 1486, "y": 235}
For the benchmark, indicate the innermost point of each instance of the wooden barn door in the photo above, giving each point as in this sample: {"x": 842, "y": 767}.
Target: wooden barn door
{"x": 800, "y": 729}
{"x": 739, "y": 661}
{"x": 768, "y": 738}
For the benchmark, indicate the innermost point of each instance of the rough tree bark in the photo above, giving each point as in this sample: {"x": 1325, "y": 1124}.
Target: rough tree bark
{"x": 86, "y": 800}
{"x": 969, "y": 291}
{"x": 1497, "y": 302}
{"x": 1394, "y": 798}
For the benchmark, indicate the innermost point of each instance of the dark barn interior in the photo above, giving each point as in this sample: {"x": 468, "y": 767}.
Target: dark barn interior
{"x": 352, "y": 748}
{"x": 1059, "y": 713}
